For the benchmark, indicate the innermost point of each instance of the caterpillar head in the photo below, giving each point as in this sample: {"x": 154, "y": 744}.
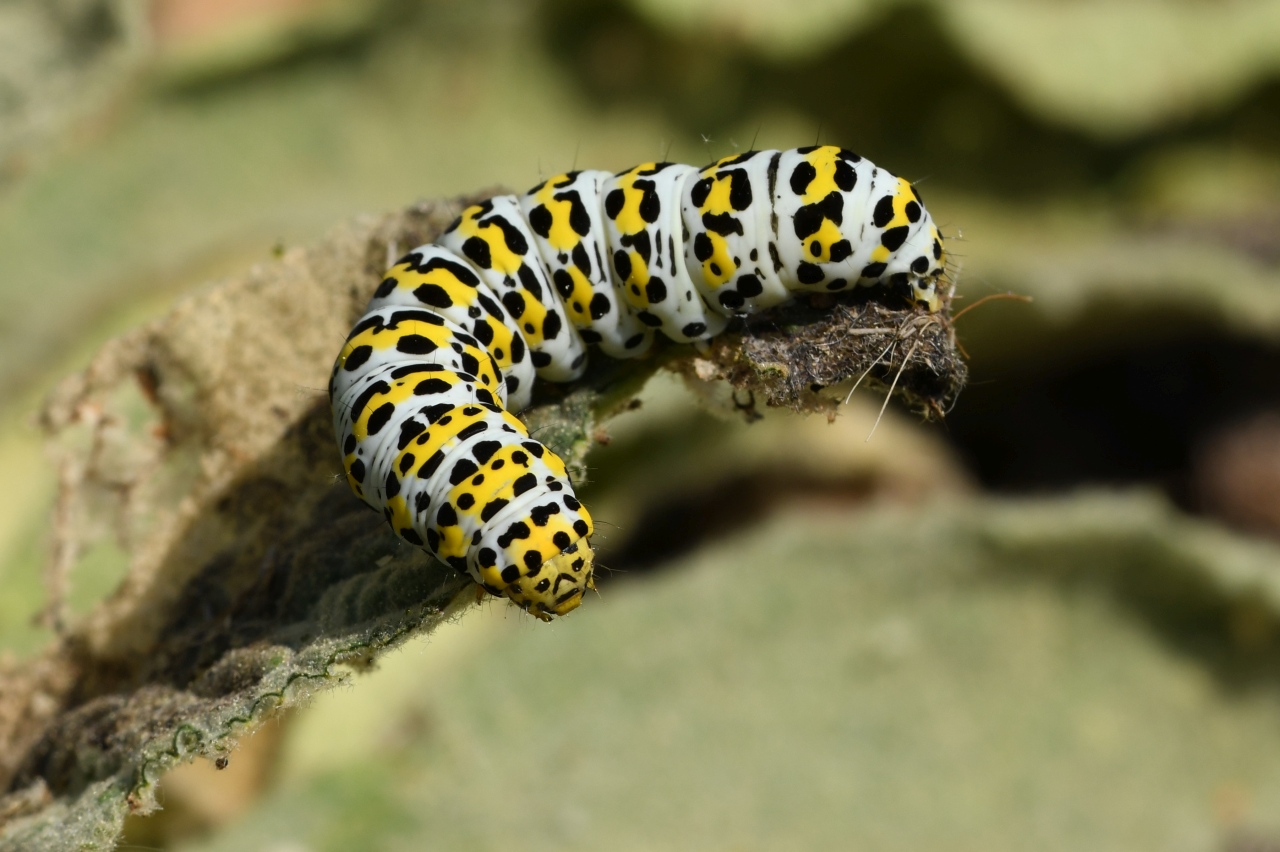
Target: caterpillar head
{"x": 558, "y": 588}
{"x": 537, "y": 553}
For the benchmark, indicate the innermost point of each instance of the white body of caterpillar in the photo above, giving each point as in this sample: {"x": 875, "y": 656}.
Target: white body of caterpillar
{"x": 519, "y": 286}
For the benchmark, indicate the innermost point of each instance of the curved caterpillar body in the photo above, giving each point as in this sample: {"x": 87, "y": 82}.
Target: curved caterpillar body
{"x": 517, "y": 288}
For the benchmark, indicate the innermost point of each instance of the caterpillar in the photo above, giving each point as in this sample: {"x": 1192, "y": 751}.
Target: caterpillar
{"x": 517, "y": 288}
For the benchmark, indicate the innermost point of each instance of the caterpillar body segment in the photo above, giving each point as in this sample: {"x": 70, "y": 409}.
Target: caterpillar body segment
{"x": 645, "y": 228}
{"x": 495, "y": 238}
{"x": 731, "y": 252}
{"x": 566, "y": 215}
{"x": 517, "y": 288}
{"x": 844, "y": 222}
{"x": 435, "y": 279}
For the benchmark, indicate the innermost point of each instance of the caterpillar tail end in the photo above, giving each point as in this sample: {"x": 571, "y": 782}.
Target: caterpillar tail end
{"x": 924, "y": 291}
{"x": 570, "y": 573}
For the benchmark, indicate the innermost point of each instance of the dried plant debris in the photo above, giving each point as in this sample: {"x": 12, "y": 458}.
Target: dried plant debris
{"x": 809, "y": 356}
{"x": 202, "y": 444}
{"x": 796, "y": 357}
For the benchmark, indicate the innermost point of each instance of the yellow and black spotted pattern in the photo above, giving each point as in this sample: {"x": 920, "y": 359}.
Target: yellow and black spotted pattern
{"x": 497, "y": 241}
{"x": 646, "y": 230}
{"x": 518, "y": 287}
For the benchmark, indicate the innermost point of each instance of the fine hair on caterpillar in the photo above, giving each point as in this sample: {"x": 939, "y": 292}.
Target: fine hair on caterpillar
{"x": 519, "y": 288}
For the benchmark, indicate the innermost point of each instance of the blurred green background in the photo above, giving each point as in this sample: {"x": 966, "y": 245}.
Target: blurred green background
{"x": 933, "y": 640}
